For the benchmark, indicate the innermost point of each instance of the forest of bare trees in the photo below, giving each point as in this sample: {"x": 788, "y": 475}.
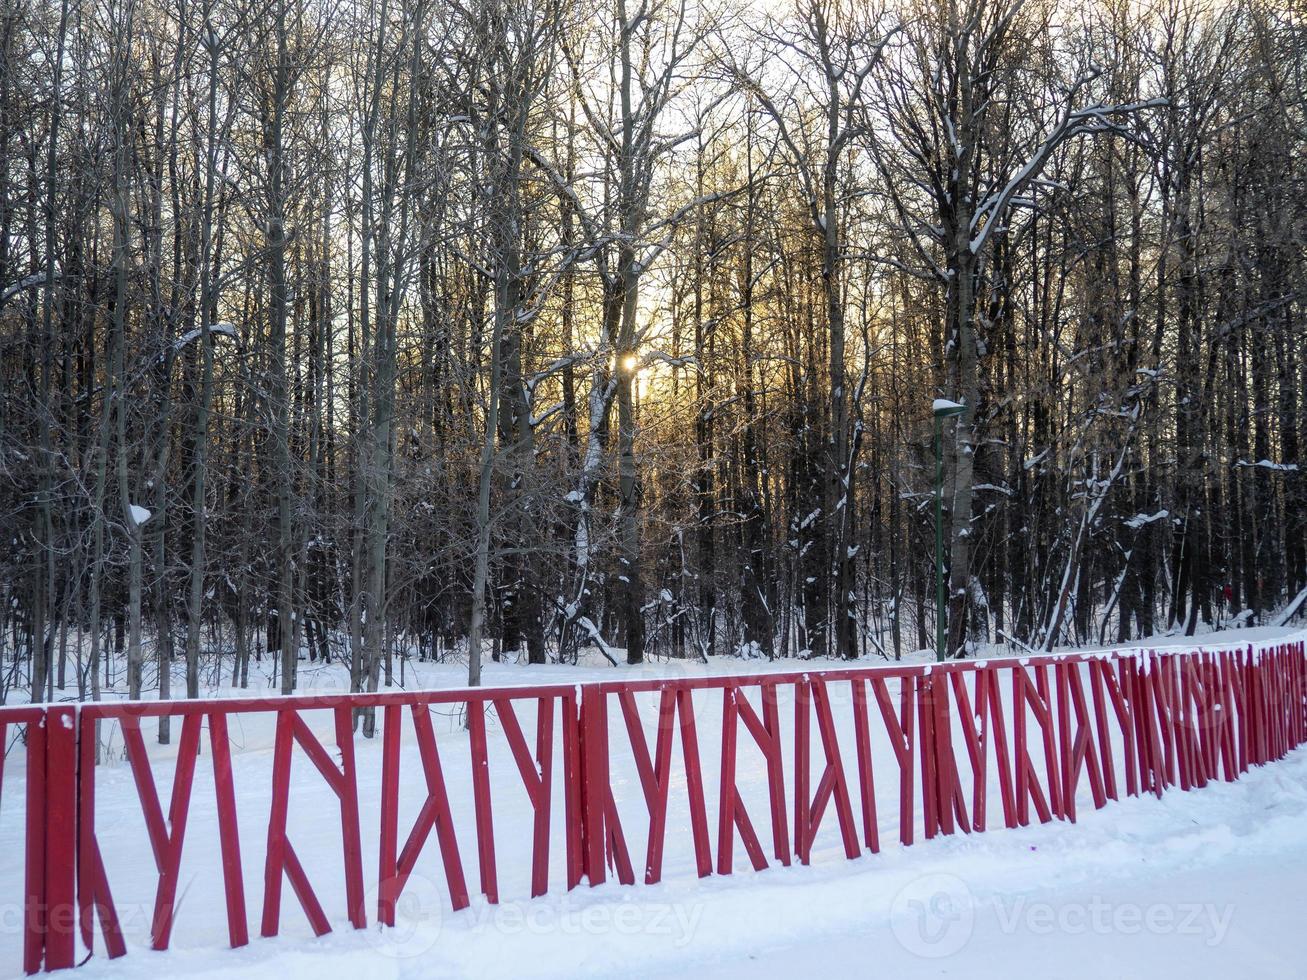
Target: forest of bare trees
{"x": 407, "y": 328}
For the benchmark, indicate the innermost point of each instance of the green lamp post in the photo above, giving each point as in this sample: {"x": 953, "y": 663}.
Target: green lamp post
{"x": 942, "y": 409}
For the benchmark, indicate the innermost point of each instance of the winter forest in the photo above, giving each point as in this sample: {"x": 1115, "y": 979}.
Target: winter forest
{"x": 465, "y": 329}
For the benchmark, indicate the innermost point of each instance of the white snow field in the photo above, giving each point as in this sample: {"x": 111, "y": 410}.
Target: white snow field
{"x": 1200, "y": 883}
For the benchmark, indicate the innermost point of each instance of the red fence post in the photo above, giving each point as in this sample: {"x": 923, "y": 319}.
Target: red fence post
{"x": 34, "y": 885}
{"x": 224, "y": 789}
{"x": 60, "y": 836}
{"x": 694, "y": 783}
{"x": 572, "y": 790}
{"x": 594, "y": 761}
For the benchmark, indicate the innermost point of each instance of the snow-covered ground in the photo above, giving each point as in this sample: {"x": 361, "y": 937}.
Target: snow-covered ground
{"x": 1199, "y": 883}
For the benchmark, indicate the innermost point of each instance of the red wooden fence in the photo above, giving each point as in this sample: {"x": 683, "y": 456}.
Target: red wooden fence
{"x": 1135, "y": 722}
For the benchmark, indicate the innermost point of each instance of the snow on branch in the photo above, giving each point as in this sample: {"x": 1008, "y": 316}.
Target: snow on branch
{"x": 1074, "y": 122}
{"x": 14, "y": 289}
{"x": 190, "y": 336}
{"x": 1266, "y": 464}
